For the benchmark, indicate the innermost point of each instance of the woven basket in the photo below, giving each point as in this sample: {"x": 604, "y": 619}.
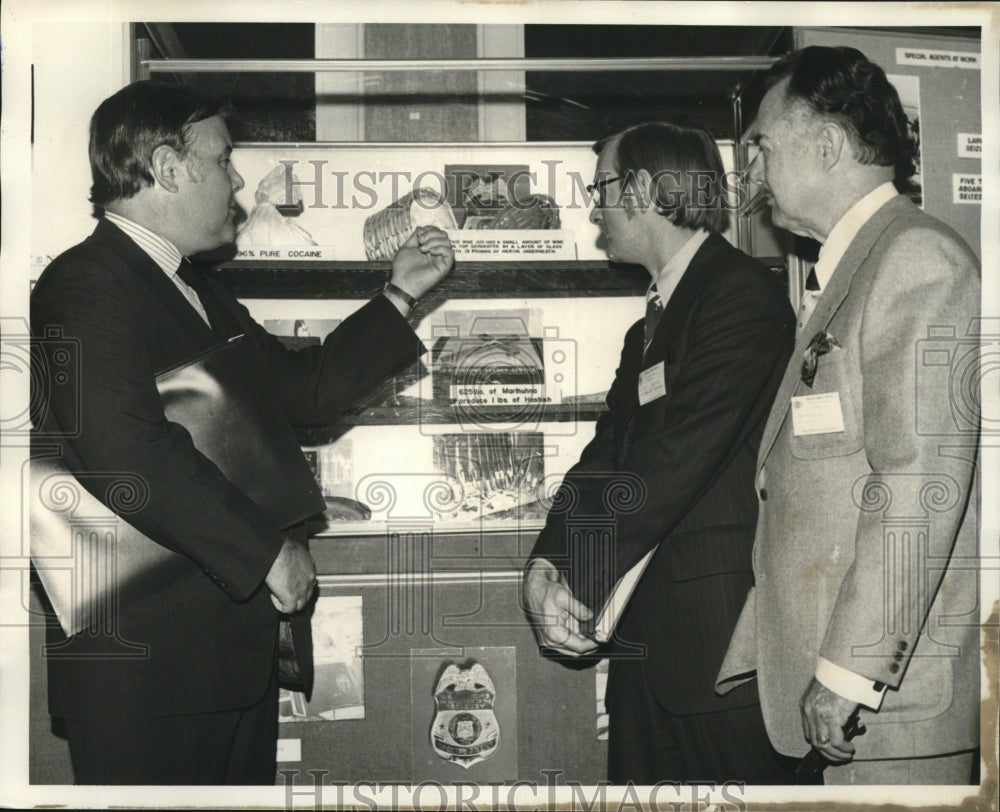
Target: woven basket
{"x": 388, "y": 229}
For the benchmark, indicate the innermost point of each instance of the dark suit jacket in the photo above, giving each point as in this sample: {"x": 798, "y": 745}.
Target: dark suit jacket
{"x": 685, "y": 462}
{"x": 208, "y": 642}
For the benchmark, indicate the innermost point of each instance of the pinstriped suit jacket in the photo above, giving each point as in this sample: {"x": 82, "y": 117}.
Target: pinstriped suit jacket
{"x": 209, "y": 640}
{"x": 688, "y": 459}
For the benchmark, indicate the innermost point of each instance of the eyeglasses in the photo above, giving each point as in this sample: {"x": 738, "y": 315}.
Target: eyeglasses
{"x": 596, "y": 189}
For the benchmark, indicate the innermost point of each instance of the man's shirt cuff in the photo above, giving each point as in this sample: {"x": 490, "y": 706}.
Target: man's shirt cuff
{"x": 850, "y": 685}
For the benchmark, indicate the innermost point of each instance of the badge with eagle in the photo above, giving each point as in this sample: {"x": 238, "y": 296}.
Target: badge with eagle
{"x": 465, "y": 729}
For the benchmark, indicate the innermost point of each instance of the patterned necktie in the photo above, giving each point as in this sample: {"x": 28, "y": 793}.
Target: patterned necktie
{"x": 654, "y": 309}
{"x": 224, "y": 324}
{"x": 810, "y": 296}
{"x": 820, "y": 344}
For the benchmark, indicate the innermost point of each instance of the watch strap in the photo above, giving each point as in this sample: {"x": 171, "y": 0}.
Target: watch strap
{"x": 397, "y": 291}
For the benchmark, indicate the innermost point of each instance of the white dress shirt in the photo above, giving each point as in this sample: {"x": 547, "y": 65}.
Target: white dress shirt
{"x": 837, "y": 241}
{"x": 840, "y": 680}
{"x": 163, "y": 252}
{"x": 662, "y": 286}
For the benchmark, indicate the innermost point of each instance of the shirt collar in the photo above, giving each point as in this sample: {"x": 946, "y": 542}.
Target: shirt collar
{"x": 847, "y": 228}
{"x": 163, "y": 252}
{"x": 668, "y": 277}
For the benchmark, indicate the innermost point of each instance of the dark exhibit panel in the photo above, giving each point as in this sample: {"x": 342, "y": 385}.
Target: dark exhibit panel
{"x": 417, "y": 625}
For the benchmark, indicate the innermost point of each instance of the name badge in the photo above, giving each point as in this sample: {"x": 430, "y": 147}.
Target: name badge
{"x": 652, "y": 384}
{"x": 817, "y": 414}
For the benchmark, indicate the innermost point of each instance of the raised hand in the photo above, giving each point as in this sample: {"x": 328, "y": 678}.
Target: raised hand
{"x": 422, "y": 261}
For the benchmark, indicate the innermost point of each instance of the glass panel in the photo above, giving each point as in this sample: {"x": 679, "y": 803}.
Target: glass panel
{"x": 436, "y": 106}
{"x": 268, "y": 106}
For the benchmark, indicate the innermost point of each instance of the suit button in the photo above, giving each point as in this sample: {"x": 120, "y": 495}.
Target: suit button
{"x": 902, "y": 645}
{"x": 894, "y": 668}
{"x": 763, "y": 494}
{"x": 897, "y": 656}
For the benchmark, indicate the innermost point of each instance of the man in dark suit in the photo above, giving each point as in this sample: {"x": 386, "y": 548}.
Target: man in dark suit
{"x": 671, "y": 465}
{"x": 201, "y": 706}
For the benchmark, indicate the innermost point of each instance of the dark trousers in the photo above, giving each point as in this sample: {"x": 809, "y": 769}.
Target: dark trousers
{"x": 648, "y": 744}
{"x": 235, "y": 747}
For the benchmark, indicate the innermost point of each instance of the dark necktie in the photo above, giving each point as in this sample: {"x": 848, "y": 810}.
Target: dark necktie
{"x": 654, "y": 309}
{"x": 810, "y": 296}
{"x": 223, "y": 323}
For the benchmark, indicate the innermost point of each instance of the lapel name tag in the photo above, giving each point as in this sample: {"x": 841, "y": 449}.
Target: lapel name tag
{"x": 817, "y": 414}
{"x": 652, "y": 384}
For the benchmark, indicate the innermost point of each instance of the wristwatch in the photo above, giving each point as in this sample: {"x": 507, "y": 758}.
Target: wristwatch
{"x": 397, "y": 291}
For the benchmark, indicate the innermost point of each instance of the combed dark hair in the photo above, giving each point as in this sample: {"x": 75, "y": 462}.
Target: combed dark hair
{"x": 686, "y": 167}
{"x": 843, "y": 84}
{"x": 127, "y": 128}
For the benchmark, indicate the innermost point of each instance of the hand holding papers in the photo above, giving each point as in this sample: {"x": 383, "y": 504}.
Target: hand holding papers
{"x": 615, "y": 605}
{"x": 557, "y": 616}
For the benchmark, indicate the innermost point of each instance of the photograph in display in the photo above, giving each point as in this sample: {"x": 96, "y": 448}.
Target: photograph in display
{"x": 908, "y": 88}
{"x": 491, "y": 196}
{"x": 600, "y": 684}
{"x": 267, "y": 225}
{"x": 486, "y": 358}
{"x": 339, "y": 689}
{"x": 332, "y": 465}
{"x": 490, "y": 475}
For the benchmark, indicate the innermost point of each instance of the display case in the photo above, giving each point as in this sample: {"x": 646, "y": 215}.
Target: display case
{"x": 455, "y": 460}
{"x": 438, "y": 482}
{"x": 457, "y": 489}
{"x": 423, "y": 584}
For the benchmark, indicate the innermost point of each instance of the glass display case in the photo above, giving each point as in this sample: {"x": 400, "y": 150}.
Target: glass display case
{"x": 455, "y": 460}
{"x": 438, "y": 482}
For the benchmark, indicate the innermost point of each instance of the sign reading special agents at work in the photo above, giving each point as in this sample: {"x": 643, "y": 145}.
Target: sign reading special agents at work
{"x": 931, "y": 58}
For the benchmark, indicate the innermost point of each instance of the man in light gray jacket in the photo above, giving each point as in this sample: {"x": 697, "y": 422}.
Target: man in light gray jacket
{"x": 865, "y": 557}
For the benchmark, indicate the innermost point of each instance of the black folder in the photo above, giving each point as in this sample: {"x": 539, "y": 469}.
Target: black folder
{"x": 225, "y": 402}
{"x": 92, "y": 563}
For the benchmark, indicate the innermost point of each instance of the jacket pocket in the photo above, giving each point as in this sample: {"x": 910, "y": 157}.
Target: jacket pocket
{"x": 837, "y": 371}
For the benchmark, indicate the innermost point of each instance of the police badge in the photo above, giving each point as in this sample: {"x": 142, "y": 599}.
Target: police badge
{"x": 465, "y": 729}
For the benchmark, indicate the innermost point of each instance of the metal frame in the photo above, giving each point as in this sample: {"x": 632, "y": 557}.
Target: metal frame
{"x": 147, "y": 66}
{"x": 713, "y": 63}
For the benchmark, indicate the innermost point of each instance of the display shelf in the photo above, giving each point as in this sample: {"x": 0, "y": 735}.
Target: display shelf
{"x": 319, "y": 279}
{"x": 356, "y": 548}
{"x": 436, "y": 414}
